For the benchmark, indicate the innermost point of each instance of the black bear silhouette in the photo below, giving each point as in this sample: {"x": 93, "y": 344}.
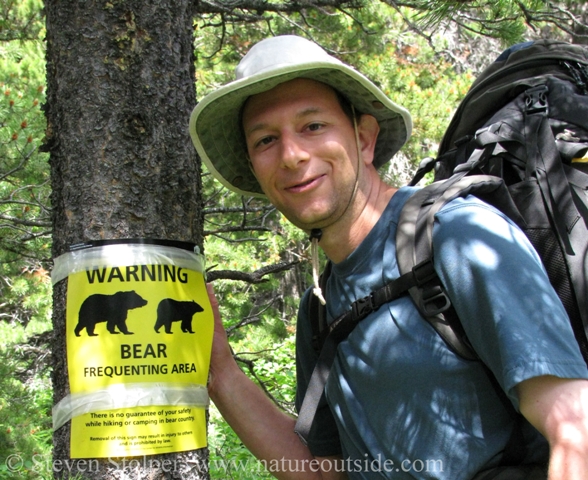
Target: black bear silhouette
{"x": 170, "y": 310}
{"x": 112, "y": 309}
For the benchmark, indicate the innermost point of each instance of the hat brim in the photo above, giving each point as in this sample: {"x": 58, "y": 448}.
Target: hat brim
{"x": 216, "y": 131}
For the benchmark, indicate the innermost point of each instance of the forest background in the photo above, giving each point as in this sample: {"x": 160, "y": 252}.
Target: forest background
{"x": 424, "y": 55}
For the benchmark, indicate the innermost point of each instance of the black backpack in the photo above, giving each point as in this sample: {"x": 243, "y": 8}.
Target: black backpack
{"x": 519, "y": 141}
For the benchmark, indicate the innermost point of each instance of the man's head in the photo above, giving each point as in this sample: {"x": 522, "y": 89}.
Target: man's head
{"x": 215, "y": 124}
{"x": 309, "y": 156}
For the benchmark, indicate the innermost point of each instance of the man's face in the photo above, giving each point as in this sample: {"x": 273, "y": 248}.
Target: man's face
{"x": 303, "y": 151}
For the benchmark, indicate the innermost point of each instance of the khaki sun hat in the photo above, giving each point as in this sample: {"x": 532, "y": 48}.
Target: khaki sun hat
{"x": 215, "y": 122}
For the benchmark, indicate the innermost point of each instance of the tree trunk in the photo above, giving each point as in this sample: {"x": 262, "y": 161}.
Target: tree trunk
{"x": 120, "y": 89}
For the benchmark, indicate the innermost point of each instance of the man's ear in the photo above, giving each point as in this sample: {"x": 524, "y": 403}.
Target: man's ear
{"x": 368, "y": 130}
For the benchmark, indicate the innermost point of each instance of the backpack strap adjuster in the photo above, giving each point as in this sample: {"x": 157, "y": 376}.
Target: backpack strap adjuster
{"x": 424, "y": 272}
{"x": 433, "y": 299}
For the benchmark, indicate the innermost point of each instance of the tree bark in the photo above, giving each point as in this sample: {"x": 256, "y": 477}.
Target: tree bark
{"x": 120, "y": 89}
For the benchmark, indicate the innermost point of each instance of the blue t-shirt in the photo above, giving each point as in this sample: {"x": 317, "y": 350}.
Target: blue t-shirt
{"x": 401, "y": 404}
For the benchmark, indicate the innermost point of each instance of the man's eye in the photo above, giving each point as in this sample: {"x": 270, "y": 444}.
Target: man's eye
{"x": 264, "y": 141}
{"x": 313, "y": 127}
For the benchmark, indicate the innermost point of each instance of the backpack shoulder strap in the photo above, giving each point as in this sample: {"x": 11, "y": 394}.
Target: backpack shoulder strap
{"x": 329, "y": 338}
{"x": 414, "y": 244}
{"x": 414, "y": 236}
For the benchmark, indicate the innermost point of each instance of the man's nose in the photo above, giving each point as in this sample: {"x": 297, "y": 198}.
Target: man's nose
{"x": 293, "y": 151}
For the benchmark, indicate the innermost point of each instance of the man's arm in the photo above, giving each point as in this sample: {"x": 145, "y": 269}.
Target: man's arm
{"x": 558, "y": 408}
{"x": 264, "y": 429}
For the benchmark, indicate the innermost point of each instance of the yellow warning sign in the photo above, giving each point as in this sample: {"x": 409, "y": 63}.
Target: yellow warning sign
{"x": 147, "y": 329}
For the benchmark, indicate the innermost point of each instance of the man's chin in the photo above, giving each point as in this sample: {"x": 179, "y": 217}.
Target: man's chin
{"x": 310, "y": 224}
{"x": 311, "y": 218}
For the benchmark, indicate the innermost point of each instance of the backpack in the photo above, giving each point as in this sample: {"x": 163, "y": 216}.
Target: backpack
{"x": 518, "y": 141}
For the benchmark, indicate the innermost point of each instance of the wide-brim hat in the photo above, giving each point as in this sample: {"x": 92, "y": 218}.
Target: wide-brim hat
{"x": 215, "y": 122}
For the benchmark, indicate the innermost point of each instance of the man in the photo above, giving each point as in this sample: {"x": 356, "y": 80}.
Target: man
{"x": 309, "y": 132}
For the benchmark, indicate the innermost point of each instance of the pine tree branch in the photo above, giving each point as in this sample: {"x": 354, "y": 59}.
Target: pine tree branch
{"x": 261, "y": 6}
{"x": 254, "y": 277}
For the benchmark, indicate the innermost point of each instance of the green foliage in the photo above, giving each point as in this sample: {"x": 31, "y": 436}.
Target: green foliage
{"x": 271, "y": 368}
{"x": 24, "y": 184}
{"x": 500, "y": 19}
{"x": 270, "y": 364}
{"x": 505, "y": 20}
{"x": 26, "y": 297}
{"x": 25, "y": 403}
{"x": 229, "y": 458}
{"x": 25, "y": 289}
{"x": 21, "y": 20}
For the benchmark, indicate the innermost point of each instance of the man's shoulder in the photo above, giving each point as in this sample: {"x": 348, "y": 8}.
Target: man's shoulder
{"x": 470, "y": 213}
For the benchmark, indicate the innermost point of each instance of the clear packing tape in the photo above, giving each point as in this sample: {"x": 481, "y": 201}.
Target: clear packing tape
{"x": 128, "y": 396}
{"x": 121, "y": 255}
{"x": 132, "y": 394}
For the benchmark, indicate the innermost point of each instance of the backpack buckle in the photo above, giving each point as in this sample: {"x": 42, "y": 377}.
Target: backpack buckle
{"x": 536, "y": 100}
{"x": 362, "y": 308}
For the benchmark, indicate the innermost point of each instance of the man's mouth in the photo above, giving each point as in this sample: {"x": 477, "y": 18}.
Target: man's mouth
{"x": 305, "y": 185}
